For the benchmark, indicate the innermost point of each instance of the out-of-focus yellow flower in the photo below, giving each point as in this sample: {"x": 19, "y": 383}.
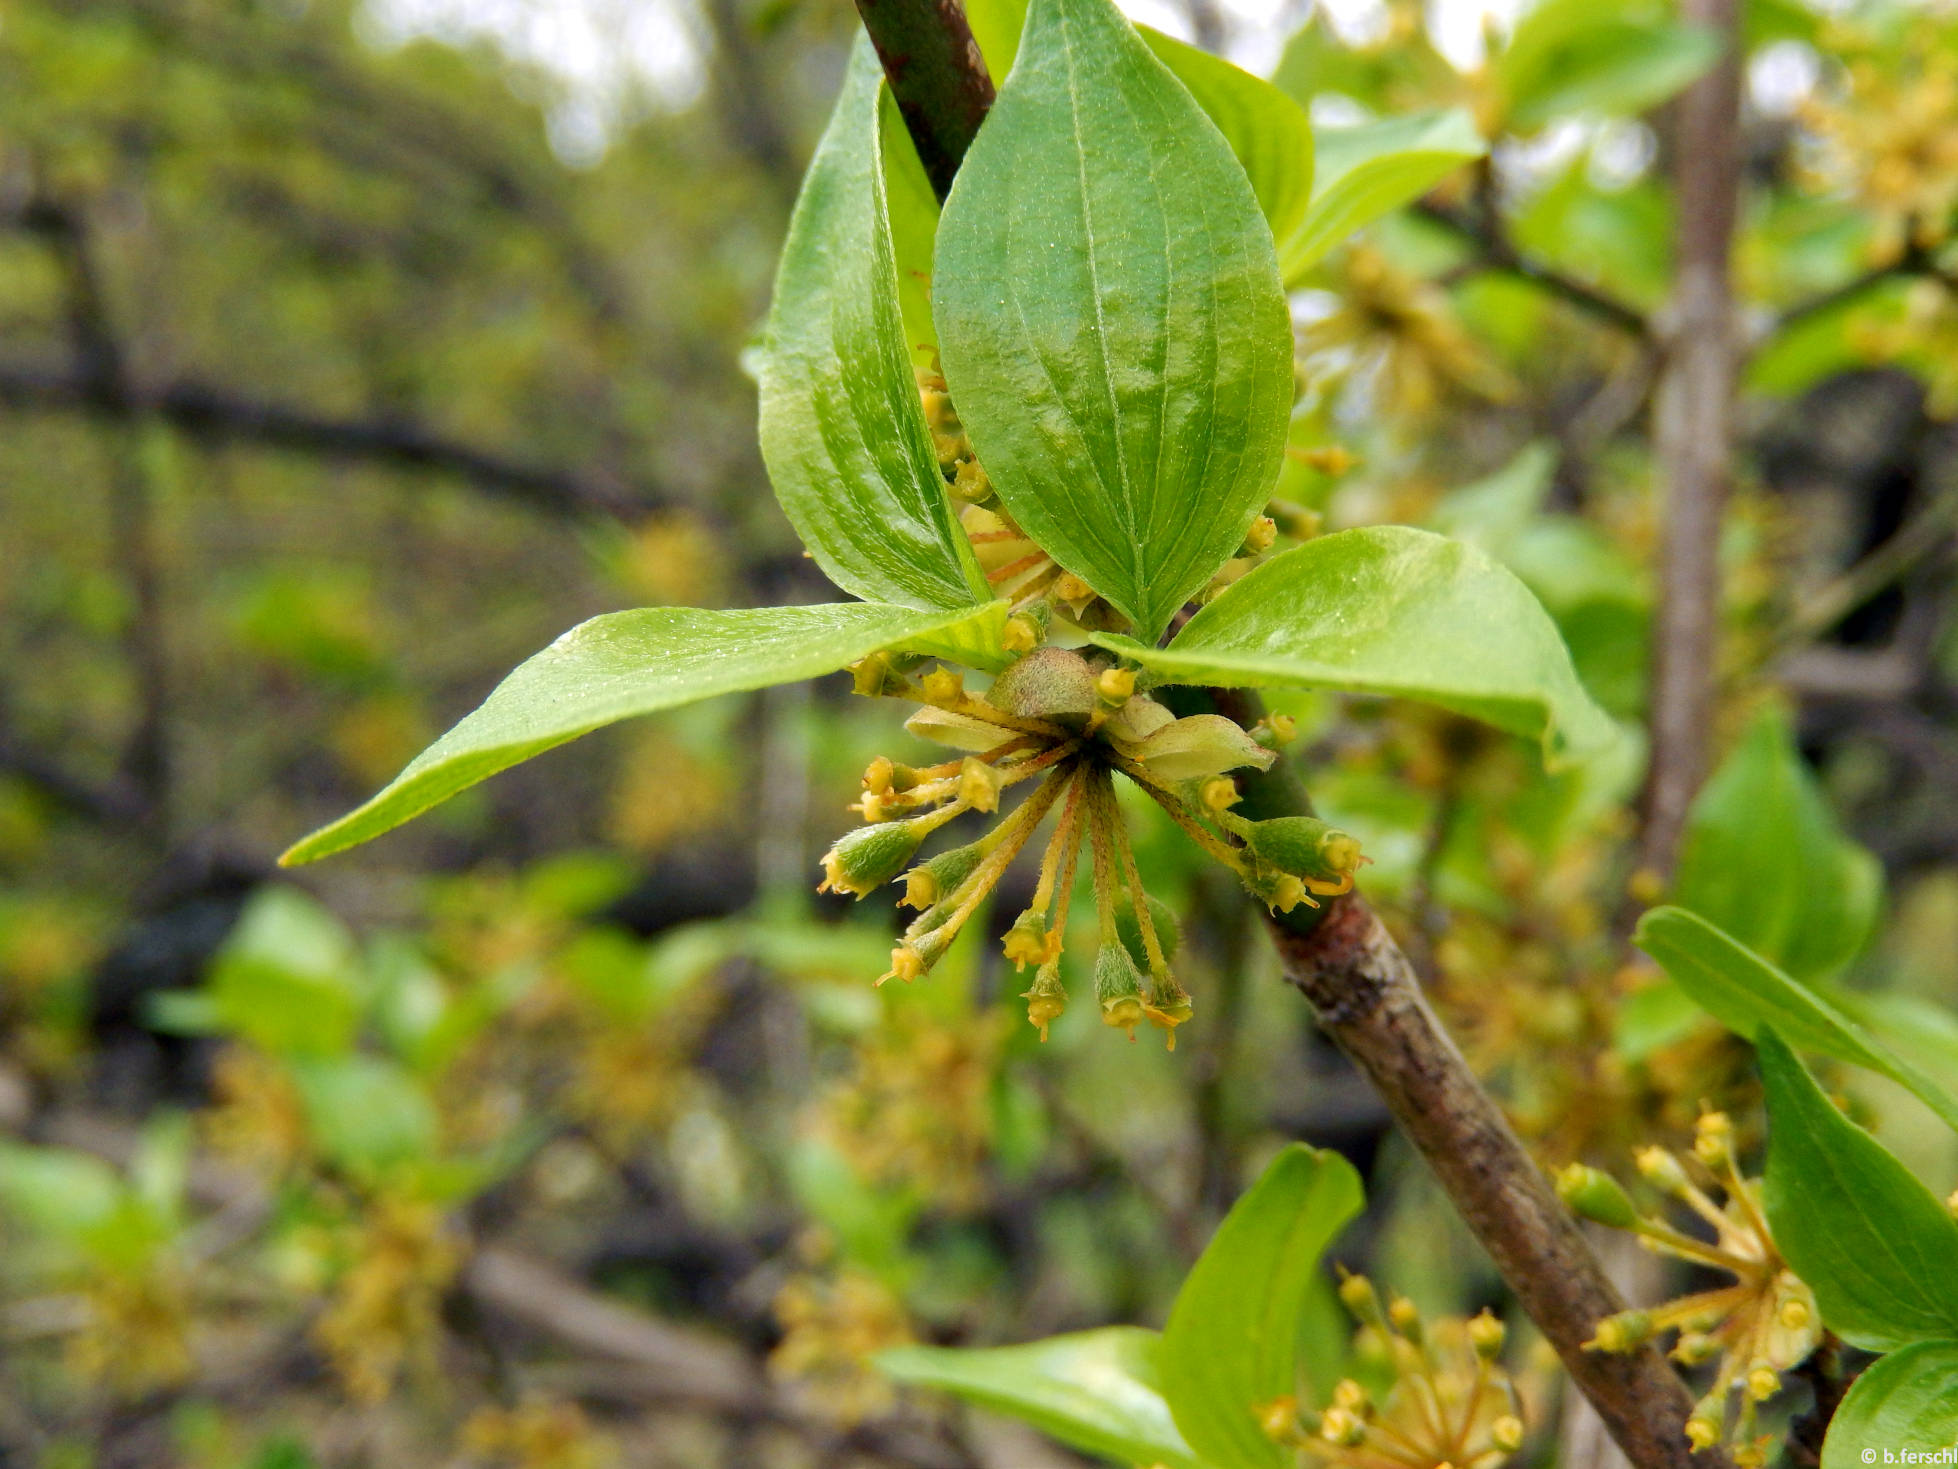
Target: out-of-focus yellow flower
{"x": 386, "y": 1306}
{"x": 830, "y": 1330}
{"x": 540, "y": 1434}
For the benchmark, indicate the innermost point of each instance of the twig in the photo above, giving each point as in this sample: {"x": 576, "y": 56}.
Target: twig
{"x": 1497, "y": 253}
{"x": 1915, "y": 260}
{"x": 218, "y": 415}
{"x": 1922, "y": 538}
{"x": 937, "y": 75}
{"x": 1367, "y": 999}
{"x": 1694, "y": 440}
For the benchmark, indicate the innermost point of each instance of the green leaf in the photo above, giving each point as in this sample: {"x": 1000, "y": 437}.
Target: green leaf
{"x": 1231, "y": 1345}
{"x": 1267, "y": 131}
{"x": 1368, "y": 171}
{"x": 58, "y": 1192}
{"x": 1908, "y": 1400}
{"x": 624, "y": 664}
{"x": 1390, "y": 610}
{"x": 1744, "y": 992}
{"x": 1119, "y": 350}
{"x": 1094, "y": 1390}
{"x": 288, "y": 979}
{"x": 1874, "y": 1244}
{"x": 842, "y": 429}
{"x": 1573, "y": 56}
{"x": 1764, "y": 859}
{"x": 366, "y": 1114}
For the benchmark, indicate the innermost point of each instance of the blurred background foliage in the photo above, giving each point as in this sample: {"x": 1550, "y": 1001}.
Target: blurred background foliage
{"x": 341, "y": 368}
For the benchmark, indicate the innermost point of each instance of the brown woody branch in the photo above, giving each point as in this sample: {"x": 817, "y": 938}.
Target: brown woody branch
{"x": 1495, "y": 252}
{"x": 1695, "y": 433}
{"x": 937, "y": 75}
{"x": 218, "y": 416}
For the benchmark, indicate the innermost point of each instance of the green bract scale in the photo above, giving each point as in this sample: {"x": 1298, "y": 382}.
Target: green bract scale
{"x": 1062, "y": 724}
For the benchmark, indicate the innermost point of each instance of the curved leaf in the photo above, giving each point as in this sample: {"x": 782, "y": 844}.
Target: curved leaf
{"x": 621, "y": 665}
{"x": 1743, "y": 991}
{"x": 1907, "y": 1401}
{"x": 1390, "y": 610}
{"x": 1094, "y": 1390}
{"x": 1580, "y": 56}
{"x": 1368, "y": 171}
{"x": 1873, "y": 1243}
{"x": 842, "y": 431}
{"x": 1110, "y": 317}
{"x": 1231, "y": 1345}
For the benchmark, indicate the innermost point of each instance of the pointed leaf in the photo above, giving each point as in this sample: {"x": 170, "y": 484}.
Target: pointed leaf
{"x": 1368, "y": 171}
{"x": 1873, "y": 1243}
{"x": 1907, "y": 1401}
{"x": 1231, "y": 1345}
{"x": 1390, "y": 610}
{"x": 1764, "y": 859}
{"x": 1094, "y": 1390}
{"x": 842, "y": 430}
{"x": 1267, "y": 131}
{"x": 1743, "y": 991}
{"x": 621, "y": 665}
{"x": 1119, "y": 349}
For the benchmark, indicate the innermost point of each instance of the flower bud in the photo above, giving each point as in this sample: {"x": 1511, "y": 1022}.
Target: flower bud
{"x": 980, "y": 784}
{"x": 1049, "y": 683}
{"x": 1625, "y": 1332}
{"x": 1278, "y": 1420}
{"x": 1704, "y": 1428}
{"x": 1025, "y": 631}
{"x": 1075, "y": 593}
{"x": 1356, "y": 1294}
{"x": 970, "y": 484}
{"x": 1219, "y": 793}
{"x": 1486, "y": 1335}
{"x": 1338, "y": 1426}
{"x": 926, "y": 883}
{"x": 1349, "y": 1395}
{"x": 1763, "y": 1382}
{"x": 1506, "y": 1434}
{"x": 1046, "y": 999}
{"x": 865, "y": 859}
{"x": 1694, "y": 1348}
{"x": 1713, "y": 1140}
{"x": 1115, "y": 686}
{"x": 1405, "y": 1317}
{"x": 1661, "y": 1169}
{"x": 1118, "y": 987}
{"x": 1304, "y": 846}
{"x": 1597, "y": 1196}
{"x": 1275, "y": 731}
{"x": 1279, "y": 891}
{"x": 1260, "y": 537}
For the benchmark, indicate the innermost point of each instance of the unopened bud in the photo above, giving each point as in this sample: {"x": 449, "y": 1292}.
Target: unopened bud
{"x": 1219, "y": 793}
{"x": 1595, "y": 1195}
{"x": 1763, "y": 1382}
{"x": 1337, "y": 1426}
{"x": 1625, "y": 1332}
{"x": 1506, "y": 1433}
{"x": 913, "y": 958}
{"x": 1703, "y": 1429}
{"x": 1661, "y": 1169}
{"x": 1357, "y": 1295}
{"x": 1023, "y": 632}
{"x": 1049, "y": 683}
{"x": 1260, "y": 538}
{"x": 1278, "y": 1420}
{"x": 1349, "y": 1395}
{"x": 1486, "y": 1335}
{"x": 1406, "y": 1317}
{"x": 1279, "y": 891}
{"x": 1275, "y": 731}
{"x": 926, "y": 883}
{"x": 1115, "y": 686}
{"x": 1713, "y": 1141}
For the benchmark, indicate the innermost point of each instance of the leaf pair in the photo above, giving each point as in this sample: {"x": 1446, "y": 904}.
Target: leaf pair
{"x": 1186, "y": 1398}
